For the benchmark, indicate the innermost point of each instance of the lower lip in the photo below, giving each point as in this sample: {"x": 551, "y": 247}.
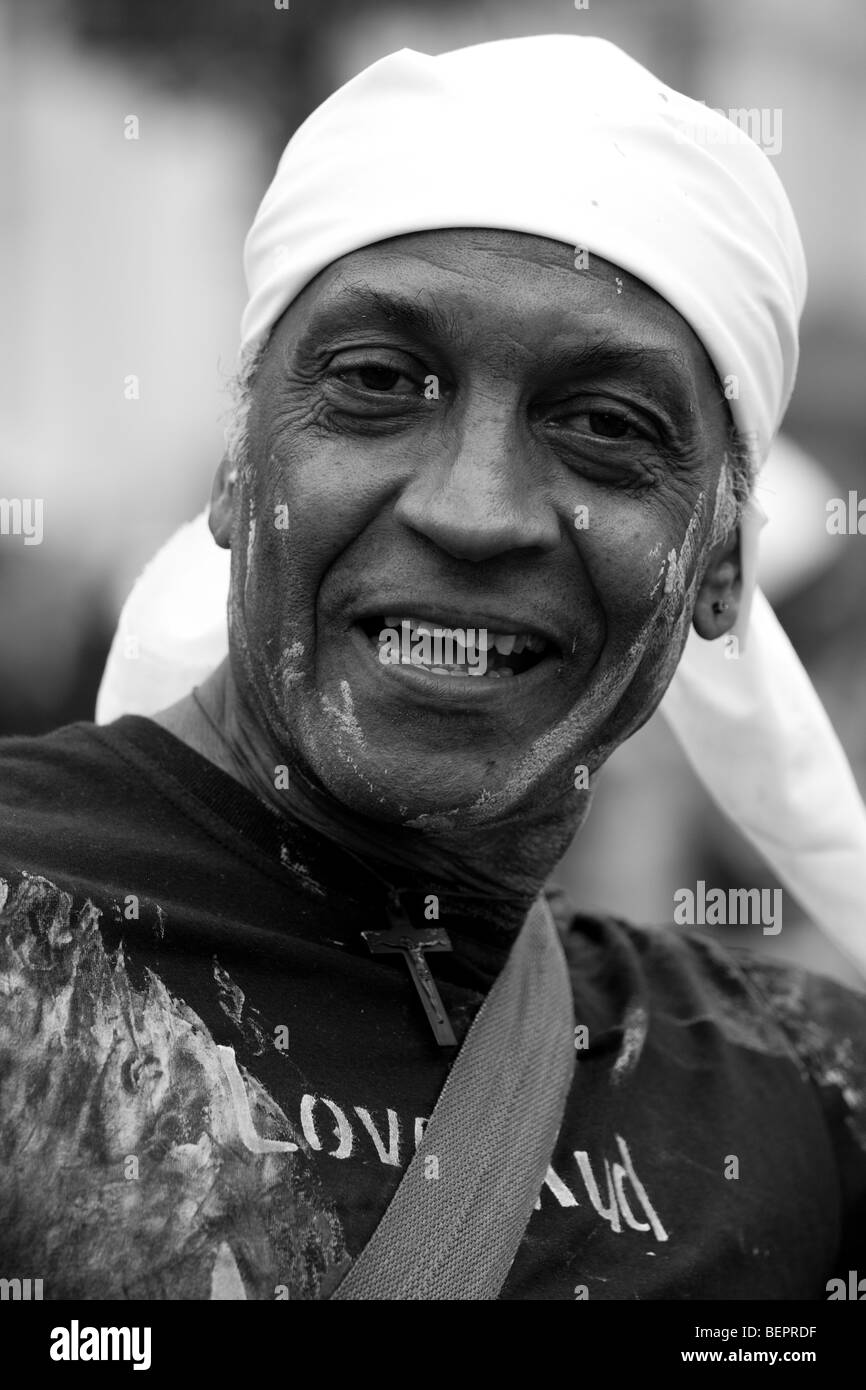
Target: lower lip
{"x": 462, "y": 690}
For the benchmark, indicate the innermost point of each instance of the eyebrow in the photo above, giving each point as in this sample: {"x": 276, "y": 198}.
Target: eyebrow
{"x": 665, "y": 370}
{"x": 352, "y": 304}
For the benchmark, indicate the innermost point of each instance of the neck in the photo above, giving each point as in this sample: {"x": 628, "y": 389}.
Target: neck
{"x": 502, "y": 866}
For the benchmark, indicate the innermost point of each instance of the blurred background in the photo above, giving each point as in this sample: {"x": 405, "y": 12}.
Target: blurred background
{"x": 120, "y": 271}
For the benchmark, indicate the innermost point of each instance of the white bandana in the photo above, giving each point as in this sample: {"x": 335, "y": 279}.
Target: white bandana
{"x": 566, "y": 138}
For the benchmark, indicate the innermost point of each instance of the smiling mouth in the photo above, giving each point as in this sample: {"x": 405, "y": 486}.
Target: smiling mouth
{"x": 453, "y": 650}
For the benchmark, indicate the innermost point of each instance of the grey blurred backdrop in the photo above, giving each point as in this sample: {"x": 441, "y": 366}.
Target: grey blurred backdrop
{"x": 122, "y": 258}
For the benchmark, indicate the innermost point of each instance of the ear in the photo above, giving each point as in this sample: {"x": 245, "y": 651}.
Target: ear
{"x": 222, "y": 499}
{"x": 718, "y": 601}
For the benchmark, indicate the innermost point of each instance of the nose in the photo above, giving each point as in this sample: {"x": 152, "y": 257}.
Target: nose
{"x": 480, "y": 498}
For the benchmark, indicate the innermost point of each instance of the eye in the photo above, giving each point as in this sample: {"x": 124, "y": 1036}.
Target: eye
{"x": 599, "y": 422}
{"x": 379, "y": 378}
{"x": 608, "y": 424}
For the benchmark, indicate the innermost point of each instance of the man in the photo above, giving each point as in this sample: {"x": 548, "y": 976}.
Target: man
{"x": 484, "y": 480}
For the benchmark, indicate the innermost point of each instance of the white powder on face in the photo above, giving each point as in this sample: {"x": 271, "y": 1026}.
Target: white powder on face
{"x": 687, "y": 550}
{"x": 550, "y": 750}
{"x": 350, "y": 736}
{"x": 672, "y": 572}
{"x": 554, "y": 747}
{"x": 288, "y": 671}
{"x": 251, "y": 540}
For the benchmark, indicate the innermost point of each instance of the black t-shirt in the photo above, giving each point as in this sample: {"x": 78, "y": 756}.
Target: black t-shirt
{"x": 185, "y": 995}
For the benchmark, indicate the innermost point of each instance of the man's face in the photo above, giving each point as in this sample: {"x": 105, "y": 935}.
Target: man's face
{"x": 462, "y": 427}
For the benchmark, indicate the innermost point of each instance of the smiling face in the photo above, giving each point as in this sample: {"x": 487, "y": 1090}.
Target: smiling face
{"x": 460, "y": 427}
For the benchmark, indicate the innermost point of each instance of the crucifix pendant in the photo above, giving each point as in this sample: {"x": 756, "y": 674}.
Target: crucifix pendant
{"x": 411, "y": 944}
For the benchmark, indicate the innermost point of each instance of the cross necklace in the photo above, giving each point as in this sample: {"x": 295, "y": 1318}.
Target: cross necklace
{"x": 411, "y": 943}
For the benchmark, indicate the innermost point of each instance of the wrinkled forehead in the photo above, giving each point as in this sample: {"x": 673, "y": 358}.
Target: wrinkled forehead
{"x": 472, "y": 287}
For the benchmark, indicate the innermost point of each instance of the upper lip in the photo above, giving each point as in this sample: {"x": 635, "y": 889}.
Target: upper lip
{"x": 460, "y": 617}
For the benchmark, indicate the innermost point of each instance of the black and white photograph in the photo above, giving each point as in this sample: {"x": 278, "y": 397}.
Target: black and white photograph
{"x": 433, "y": 670}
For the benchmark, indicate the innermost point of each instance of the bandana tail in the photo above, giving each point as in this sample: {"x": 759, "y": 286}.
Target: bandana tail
{"x": 756, "y": 733}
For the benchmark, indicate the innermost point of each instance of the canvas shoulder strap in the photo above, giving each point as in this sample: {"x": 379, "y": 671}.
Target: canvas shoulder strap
{"x": 491, "y": 1134}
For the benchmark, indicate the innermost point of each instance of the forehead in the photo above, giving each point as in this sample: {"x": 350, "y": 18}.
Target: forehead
{"x": 465, "y": 283}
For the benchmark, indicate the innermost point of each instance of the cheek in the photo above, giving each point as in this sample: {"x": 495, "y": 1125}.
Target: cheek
{"x": 641, "y": 557}
{"x": 304, "y": 508}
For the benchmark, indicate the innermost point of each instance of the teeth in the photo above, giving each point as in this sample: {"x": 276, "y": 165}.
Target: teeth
{"x": 466, "y": 653}
{"x": 505, "y": 642}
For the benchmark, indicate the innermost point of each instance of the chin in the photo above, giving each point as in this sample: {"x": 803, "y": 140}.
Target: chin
{"x": 426, "y": 796}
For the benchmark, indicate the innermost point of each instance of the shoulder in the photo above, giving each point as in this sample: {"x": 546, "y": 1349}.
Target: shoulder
{"x": 54, "y": 770}
{"x": 26, "y": 763}
{"x": 61, "y": 795}
{"x": 756, "y": 1002}
{"x": 825, "y": 1023}
{"x": 42, "y": 779}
